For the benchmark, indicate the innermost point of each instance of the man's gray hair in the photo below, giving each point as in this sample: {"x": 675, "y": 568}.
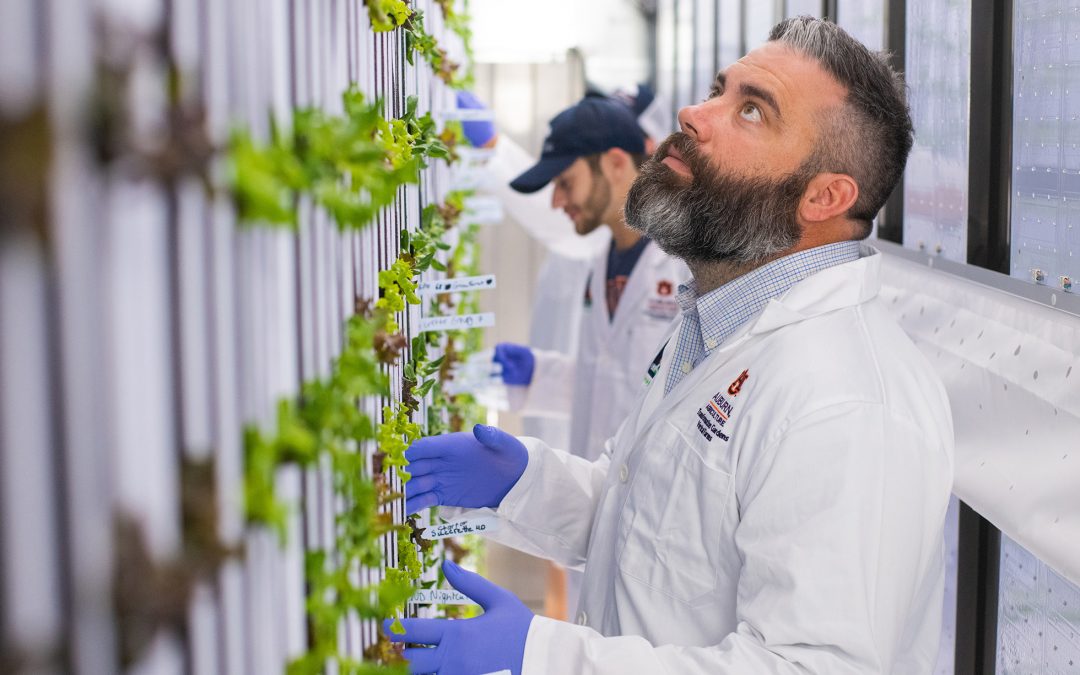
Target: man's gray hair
{"x": 870, "y": 138}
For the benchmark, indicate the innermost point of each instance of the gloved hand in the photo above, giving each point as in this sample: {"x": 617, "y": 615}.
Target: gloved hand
{"x": 517, "y": 362}
{"x": 488, "y": 643}
{"x": 462, "y": 469}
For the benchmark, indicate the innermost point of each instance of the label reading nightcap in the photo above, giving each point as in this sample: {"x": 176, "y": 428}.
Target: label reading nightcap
{"x": 440, "y": 596}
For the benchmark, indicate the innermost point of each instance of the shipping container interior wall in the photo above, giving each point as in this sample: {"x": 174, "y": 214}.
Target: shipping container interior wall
{"x": 988, "y": 212}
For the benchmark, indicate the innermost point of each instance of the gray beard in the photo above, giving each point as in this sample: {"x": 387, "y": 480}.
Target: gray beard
{"x": 711, "y": 217}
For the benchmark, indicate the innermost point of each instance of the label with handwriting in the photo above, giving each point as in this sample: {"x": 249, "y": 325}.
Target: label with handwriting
{"x": 456, "y": 285}
{"x": 440, "y": 596}
{"x": 436, "y": 324}
{"x": 479, "y": 525}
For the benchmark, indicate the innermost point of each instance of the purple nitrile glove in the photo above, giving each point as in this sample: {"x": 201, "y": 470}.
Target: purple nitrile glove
{"x": 462, "y": 469}
{"x": 478, "y": 132}
{"x": 517, "y": 363}
{"x": 488, "y": 643}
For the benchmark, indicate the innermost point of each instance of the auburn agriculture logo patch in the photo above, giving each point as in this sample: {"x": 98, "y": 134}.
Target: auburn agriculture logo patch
{"x": 736, "y": 386}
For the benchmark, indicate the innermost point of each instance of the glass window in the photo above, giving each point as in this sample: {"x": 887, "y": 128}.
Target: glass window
{"x": 1046, "y": 143}
{"x": 936, "y": 181}
{"x": 864, "y": 20}
{"x": 1038, "y": 616}
{"x": 946, "y": 662}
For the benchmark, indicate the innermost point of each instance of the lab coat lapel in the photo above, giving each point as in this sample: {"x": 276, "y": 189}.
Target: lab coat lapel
{"x": 835, "y": 288}
{"x": 717, "y": 359}
{"x": 637, "y": 287}
{"x": 598, "y": 314}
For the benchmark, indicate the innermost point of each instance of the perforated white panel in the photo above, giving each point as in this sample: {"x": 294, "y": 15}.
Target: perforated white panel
{"x": 936, "y": 181}
{"x": 1038, "y": 616}
{"x": 1046, "y": 143}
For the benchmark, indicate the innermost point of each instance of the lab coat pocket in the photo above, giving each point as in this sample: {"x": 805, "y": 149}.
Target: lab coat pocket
{"x": 672, "y": 519}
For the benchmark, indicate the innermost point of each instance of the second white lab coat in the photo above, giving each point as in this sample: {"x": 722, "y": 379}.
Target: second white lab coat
{"x": 597, "y": 388}
{"x": 780, "y": 511}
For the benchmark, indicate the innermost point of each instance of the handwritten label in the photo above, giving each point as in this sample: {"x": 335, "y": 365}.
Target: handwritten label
{"x": 440, "y": 596}
{"x": 436, "y": 324}
{"x": 481, "y": 525}
{"x": 456, "y": 285}
{"x": 483, "y": 211}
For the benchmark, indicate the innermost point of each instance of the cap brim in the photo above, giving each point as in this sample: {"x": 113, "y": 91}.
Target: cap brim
{"x": 541, "y": 174}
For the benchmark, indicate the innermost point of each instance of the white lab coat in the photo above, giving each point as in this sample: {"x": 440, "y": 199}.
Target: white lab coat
{"x": 804, "y": 537}
{"x": 598, "y": 386}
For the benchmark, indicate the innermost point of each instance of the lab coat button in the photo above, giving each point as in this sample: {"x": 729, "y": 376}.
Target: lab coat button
{"x": 582, "y": 618}
{"x": 624, "y": 473}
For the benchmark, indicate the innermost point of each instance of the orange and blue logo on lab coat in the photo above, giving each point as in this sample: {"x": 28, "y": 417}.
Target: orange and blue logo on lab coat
{"x": 713, "y": 416}
{"x": 662, "y": 304}
{"x": 736, "y": 386}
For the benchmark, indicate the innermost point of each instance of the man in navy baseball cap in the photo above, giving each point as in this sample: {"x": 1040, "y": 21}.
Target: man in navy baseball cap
{"x": 593, "y": 126}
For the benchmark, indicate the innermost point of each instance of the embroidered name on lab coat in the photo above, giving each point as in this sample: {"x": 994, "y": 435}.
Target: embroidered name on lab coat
{"x": 713, "y": 416}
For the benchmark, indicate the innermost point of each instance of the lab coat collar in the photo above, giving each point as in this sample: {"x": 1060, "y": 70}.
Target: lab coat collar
{"x": 831, "y": 289}
{"x": 837, "y": 287}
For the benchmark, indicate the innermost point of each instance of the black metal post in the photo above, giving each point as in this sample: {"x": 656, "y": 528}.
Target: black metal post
{"x": 977, "y": 594}
{"x": 891, "y": 218}
{"x": 990, "y": 139}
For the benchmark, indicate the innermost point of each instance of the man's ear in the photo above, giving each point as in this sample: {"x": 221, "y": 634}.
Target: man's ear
{"x": 827, "y": 196}
{"x": 615, "y": 162}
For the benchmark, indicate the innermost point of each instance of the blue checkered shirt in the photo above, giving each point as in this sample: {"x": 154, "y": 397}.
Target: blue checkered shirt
{"x": 714, "y": 317}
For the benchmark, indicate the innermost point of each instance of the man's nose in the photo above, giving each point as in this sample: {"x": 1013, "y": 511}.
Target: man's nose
{"x": 558, "y": 200}
{"x": 693, "y": 122}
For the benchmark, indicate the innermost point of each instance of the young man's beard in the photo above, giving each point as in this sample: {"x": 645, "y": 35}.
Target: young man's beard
{"x": 712, "y": 217}
{"x": 596, "y": 204}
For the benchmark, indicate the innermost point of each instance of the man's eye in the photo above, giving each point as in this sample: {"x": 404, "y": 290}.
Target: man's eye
{"x": 750, "y": 112}
{"x": 713, "y": 93}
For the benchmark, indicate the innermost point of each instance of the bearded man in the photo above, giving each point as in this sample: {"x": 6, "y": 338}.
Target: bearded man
{"x": 591, "y": 156}
{"x": 775, "y": 503}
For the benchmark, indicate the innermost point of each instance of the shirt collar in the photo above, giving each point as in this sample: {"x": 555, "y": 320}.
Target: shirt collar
{"x": 722, "y": 311}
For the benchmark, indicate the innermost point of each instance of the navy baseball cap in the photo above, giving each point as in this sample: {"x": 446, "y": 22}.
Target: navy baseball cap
{"x": 595, "y": 124}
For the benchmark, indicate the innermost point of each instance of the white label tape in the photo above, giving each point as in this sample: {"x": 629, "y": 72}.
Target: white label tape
{"x": 435, "y": 324}
{"x": 439, "y": 596}
{"x": 480, "y": 525}
{"x": 456, "y": 285}
{"x": 467, "y": 114}
{"x": 483, "y": 211}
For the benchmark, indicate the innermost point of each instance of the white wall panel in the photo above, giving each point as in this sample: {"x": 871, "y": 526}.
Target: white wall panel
{"x": 28, "y": 532}
{"x": 1009, "y": 366}
{"x": 705, "y": 48}
{"x": 142, "y": 327}
{"x": 864, "y": 20}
